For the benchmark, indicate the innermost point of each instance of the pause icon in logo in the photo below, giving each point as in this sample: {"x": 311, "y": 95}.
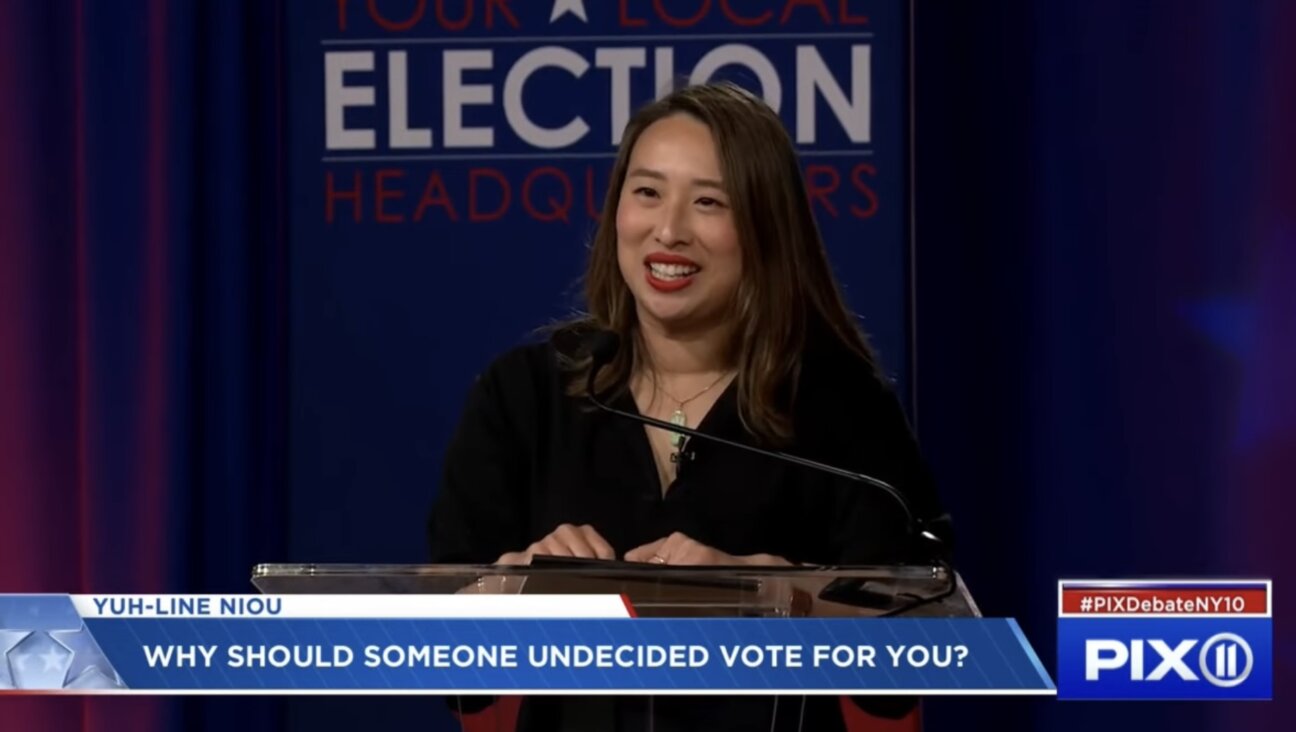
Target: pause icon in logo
{"x": 1219, "y": 659}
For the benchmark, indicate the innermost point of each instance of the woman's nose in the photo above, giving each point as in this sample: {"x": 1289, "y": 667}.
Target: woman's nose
{"x": 673, "y": 226}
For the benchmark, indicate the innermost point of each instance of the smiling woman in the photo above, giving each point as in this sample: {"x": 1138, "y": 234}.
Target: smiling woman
{"x": 709, "y": 268}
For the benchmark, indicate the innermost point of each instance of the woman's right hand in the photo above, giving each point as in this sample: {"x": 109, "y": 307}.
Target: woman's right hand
{"x": 565, "y": 541}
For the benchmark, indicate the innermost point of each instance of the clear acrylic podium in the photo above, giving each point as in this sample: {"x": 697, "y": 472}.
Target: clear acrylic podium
{"x": 654, "y": 590}
{"x": 659, "y": 591}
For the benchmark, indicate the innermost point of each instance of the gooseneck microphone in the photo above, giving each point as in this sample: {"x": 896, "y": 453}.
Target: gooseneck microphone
{"x": 603, "y": 345}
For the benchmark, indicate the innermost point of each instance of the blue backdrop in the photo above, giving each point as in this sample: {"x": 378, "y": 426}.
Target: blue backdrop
{"x": 1103, "y": 348}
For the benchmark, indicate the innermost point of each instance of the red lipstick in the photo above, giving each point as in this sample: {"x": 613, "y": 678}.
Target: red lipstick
{"x": 673, "y": 273}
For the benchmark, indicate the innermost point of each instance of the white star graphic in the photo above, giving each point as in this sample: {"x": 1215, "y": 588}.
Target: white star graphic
{"x": 53, "y": 660}
{"x": 562, "y": 7}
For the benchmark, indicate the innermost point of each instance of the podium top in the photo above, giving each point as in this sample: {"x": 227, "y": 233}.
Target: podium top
{"x": 654, "y": 590}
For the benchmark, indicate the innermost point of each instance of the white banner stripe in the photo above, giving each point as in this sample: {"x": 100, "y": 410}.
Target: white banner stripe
{"x": 350, "y": 606}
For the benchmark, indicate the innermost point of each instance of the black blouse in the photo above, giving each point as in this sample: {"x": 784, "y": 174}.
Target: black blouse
{"x": 527, "y": 457}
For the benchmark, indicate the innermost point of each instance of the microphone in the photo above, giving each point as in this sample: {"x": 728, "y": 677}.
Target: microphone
{"x": 602, "y": 346}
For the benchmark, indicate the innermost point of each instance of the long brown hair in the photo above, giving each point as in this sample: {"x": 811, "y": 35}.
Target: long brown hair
{"x": 787, "y": 288}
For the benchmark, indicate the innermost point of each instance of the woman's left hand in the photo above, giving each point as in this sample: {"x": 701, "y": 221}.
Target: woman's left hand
{"x": 680, "y": 549}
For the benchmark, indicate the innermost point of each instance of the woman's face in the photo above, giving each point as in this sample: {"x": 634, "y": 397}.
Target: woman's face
{"x": 677, "y": 244}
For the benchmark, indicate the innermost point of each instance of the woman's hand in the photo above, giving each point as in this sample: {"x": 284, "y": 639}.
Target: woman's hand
{"x": 680, "y": 549}
{"x": 565, "y": 541}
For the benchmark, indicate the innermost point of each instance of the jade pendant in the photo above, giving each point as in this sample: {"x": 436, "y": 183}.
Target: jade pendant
{"x": 678, "y": 418}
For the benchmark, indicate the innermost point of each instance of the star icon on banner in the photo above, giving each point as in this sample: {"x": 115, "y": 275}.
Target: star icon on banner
{"x": 563, "y": 7}
{"x": 39, "y": 662}
{"x": 53, "y": 660}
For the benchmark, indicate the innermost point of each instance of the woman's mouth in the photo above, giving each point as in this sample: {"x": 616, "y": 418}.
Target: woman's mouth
{"x": 670, "y": 276}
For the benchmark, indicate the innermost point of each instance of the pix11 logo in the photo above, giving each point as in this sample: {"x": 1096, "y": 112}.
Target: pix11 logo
{"x": 1172, "y": 639}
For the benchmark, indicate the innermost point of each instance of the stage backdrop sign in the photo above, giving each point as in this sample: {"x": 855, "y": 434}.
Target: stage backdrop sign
{"x": 448, "y": 161}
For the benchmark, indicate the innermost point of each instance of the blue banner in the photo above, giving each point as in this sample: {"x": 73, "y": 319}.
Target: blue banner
{"x": 638, "y": 655}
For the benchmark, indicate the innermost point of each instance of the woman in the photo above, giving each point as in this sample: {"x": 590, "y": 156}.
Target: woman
{"x": 708, "y": 265}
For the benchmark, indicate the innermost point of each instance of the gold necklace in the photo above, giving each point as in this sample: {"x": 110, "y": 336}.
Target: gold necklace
{"x": 678, "y": 417}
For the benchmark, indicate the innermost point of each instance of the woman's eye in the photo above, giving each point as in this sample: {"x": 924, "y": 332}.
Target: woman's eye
{"x": 645, "y": 191}
{"x": 710, "y": 203}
